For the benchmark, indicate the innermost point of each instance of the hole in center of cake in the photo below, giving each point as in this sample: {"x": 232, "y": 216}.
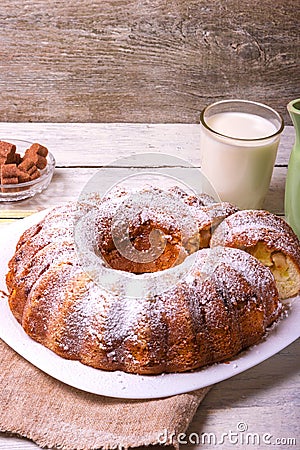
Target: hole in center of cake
{"x": 147, "y": 246}
{"x": 153, "y": 230}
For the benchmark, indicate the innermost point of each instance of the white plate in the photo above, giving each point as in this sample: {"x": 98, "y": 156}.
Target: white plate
{"x": 120, "y": 384}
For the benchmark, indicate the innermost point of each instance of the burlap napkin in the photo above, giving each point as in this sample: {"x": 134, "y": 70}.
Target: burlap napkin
{"x": 54, "y": 415}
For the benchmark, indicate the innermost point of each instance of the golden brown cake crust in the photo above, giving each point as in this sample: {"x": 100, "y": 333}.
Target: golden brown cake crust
{"x": 153, "y": 222}
{"x": 246, "y": 228}
{"x": 223, "y": 304}
{"x": 270, "y": 239}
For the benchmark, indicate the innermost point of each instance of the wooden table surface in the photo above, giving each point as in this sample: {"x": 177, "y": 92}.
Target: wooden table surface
{"x": 144, "y": 61}
{"x": 264, "y": 399}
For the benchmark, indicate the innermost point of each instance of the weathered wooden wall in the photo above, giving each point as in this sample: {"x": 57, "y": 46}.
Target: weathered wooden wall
{"x": 144, "y": 61}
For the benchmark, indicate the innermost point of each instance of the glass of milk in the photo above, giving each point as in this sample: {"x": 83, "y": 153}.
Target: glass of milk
{"x": 239, "y": 141}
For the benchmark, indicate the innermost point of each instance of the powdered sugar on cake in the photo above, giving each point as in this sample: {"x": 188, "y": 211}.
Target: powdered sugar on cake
{"x": 193, "y": 313}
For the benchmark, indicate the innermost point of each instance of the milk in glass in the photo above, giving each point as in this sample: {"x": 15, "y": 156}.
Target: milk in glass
{"x": 238, "y": 152}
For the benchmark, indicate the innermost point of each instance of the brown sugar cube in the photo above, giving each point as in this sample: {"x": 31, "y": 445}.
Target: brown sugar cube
{"x": 41, "y": 162}
{"x": 32, "y": 170}
{"x": 35, "y": 174}
{"x": 18, "y": 159}
{"x": 23, "y": 177}
{"x": 9, "y": 174}
{"x": 38, "y": 149}
{"x": 7, "y": 152}
{"x": 26, "y": 165}
{"x": 37, "y": 153}
{"x": 6, "y": 148}
{"x": 9, "y": 171}
{"x": 9, "y": 180}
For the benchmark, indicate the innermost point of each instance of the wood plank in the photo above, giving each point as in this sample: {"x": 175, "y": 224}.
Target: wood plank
{"x": 274, "y": 201}
{"x": 8, "y": 442}
{"x": 132, "y": 61}
{"x": 81, "y": 144}
{"x": 12, "y": 214}
{"x": 68, "y": 184}
{"x": 262, "y": 397}
{"x": 4, "y": 222}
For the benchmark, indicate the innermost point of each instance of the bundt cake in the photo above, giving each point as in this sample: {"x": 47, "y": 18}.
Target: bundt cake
{"x": 222, "y": 303}
{"x": 270, "y": 239}
{"x": 164, "y": 228}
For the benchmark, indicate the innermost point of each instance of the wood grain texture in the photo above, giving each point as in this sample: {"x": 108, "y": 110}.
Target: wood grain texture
{"x": 68, "y": 184}
{"x": 81, "y": 150}
{"x": 144, "y": 61}
{"x": 99, "y": 144}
